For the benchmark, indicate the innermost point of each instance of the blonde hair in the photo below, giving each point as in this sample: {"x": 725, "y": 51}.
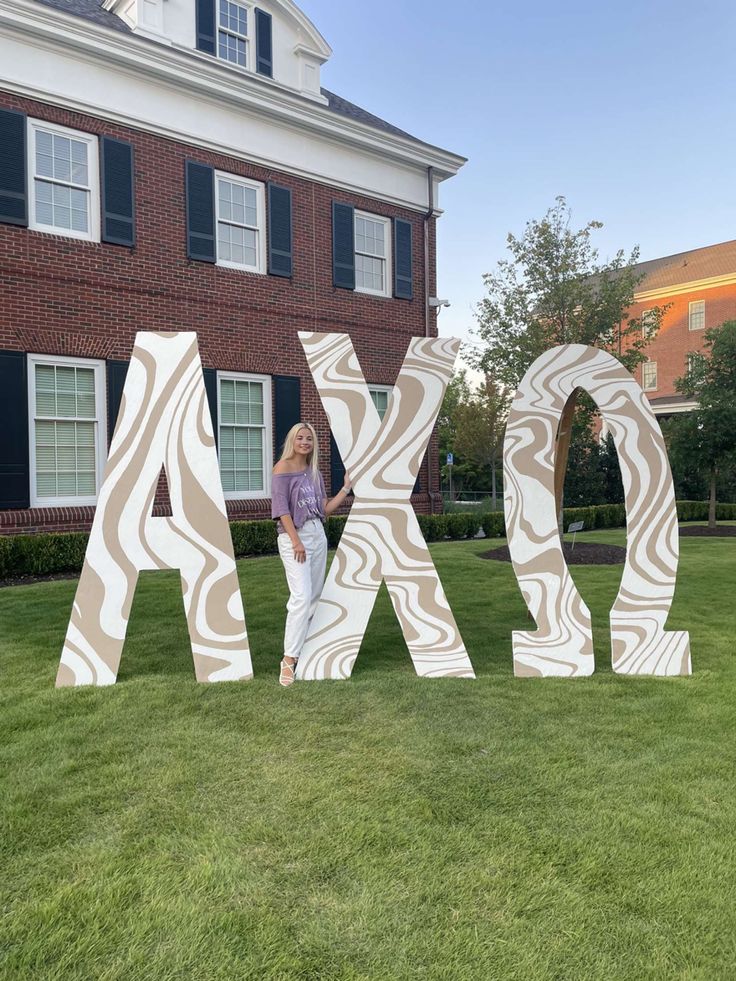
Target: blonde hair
{"x": 288, "y": 453}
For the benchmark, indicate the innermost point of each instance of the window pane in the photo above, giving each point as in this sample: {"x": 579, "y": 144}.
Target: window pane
{"x": 65, "y": 459}
{"x": 380, "y": 400}
{"x": 79, "y": 163}
{"x": 44, "y": 208}
{"x": 86, "y": 484}
{"x": 66, "y": 484}
{"x": 369, "y": 273}
{"x": 79, "y": 210}
{"x": 62, "y": 158}
{"x": 62, "y": 206}
{"x": 45, "y": 484}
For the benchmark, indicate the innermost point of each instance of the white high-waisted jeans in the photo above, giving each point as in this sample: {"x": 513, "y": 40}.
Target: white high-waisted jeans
{"x": 305, "y": 580}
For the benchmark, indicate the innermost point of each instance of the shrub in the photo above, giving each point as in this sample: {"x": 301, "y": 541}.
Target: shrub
{"x": 334, "y": 528}
{"x": 494, "y": 525}
{"x": 48, "y": 554}
{"x": 461, "y": 525}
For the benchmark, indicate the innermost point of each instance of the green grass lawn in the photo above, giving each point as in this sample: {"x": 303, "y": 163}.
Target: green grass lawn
{"x": 382, "y": 828}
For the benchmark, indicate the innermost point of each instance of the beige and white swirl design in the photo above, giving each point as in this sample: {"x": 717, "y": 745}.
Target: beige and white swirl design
{"x": 382, "y": 539}
{"x": 164, "y": 420}
{"x": 563, "y": 643}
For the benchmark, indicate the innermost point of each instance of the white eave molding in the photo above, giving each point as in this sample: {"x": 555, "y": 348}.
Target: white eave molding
{"x": 204, "y": 77}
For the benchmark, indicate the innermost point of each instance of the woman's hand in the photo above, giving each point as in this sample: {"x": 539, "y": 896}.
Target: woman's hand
{"x": 300, "y": 553}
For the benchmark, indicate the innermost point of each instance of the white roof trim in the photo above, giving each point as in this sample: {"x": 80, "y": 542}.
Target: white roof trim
{"x": 215, "y": 80}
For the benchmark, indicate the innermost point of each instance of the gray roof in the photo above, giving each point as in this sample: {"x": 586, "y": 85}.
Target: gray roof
{"x": 92, "y": 10}
{"x": 688, "y": 267}
{"x": 89, "y": 10}
{"x": 344, "y": 108}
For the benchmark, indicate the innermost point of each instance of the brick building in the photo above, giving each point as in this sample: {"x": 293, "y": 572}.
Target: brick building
{"x": 174, "y": 165}
{"x": 699, "y": 290}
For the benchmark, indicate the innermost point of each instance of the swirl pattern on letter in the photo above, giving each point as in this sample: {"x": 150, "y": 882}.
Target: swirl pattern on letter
{"x": 563, "y": 642}
{"x": 164, "y": 420}
{"x": 382, "y": 539}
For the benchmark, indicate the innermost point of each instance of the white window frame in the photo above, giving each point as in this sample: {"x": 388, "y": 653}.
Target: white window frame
{"x": 382, "y": 388}
{"x": 692, "y": 304}
{"x": 646, "y": 326}
{"x": 645, "y": 387}
{"x": 100, "y": 422}
{"x": 265, "y": 380}
{"x": 260, "y": 189}
{"x": 388, "y": 280}
{"x": 93, "y": 170}
{"x": 250, "y": 18}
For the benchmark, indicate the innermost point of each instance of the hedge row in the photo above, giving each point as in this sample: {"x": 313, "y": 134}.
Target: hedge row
{"x": 43, "y": 555}
{"x": 698, "y": 511}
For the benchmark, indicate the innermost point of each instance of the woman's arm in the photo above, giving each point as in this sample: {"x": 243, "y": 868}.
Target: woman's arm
{"x": 337, "y": 501}
{"x": 288, "y": 525}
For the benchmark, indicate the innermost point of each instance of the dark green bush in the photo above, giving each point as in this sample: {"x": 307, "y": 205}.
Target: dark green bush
{"x": 253, "y": 537}
{"x": 494, "y": 525}
{"x": 48, "y": 554}
{"x": 334, "y": 528}
{"x": 459, "y": 525}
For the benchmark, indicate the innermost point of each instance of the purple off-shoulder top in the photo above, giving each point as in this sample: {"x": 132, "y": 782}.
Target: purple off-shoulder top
{"x": 298, "y": 494}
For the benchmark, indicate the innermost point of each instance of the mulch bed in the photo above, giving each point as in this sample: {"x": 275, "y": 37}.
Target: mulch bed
{"x": 27, "y": 580}
{"x": 584, "y": 553}
{"x": 703, "y": 531}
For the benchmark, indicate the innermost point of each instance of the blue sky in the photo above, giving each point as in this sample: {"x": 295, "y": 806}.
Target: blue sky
{"x": 625, "y": 108}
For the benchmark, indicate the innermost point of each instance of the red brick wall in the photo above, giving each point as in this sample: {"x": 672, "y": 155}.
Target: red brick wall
{"x": 63, "y": 296}
{"x": 675, "y": 340}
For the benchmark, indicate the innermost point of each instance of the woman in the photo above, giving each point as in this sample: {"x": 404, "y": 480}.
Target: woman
{"x": 299, "y": 502}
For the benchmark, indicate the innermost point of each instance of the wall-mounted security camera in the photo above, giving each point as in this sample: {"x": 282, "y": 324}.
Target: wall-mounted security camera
{"x": 435, "y": 302}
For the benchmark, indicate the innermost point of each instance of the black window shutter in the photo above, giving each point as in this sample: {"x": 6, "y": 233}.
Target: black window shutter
{"x": 210, "y": 385}
{"x": 118, "y": 195}
{"x": 206, "y": 26}
{"x": 200, "y": 212}
{"x": 279, "y": 231}
{"x": 264, "y": 43}
{"x": 403, "y": 259}
{"x": 337, "y": 469}
{"x": 116, "y": 375}
{"x": 13, "y": 193}
{"x": 287, "y": 408}
{"x": 343, "y": 246}
{"x": 14, "y": 470}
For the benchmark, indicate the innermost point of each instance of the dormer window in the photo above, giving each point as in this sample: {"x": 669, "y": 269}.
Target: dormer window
{"x": 232, "y": 33}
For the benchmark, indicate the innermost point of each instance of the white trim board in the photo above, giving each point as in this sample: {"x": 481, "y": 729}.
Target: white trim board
{"x": 195, "y": 99}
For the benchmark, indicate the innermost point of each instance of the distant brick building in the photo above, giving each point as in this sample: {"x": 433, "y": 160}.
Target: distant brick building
{"x": 174, "y": 165}
{"x": 700, "y": 289}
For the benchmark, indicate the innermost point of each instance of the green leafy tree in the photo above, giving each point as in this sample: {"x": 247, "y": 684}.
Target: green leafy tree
{"x": 456, "y": 394}
{"x": 480, "y": 424}
{"x": 554, "y": 289}
{"x": 706, "y": 437}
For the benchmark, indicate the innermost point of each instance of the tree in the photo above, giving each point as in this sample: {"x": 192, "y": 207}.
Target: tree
{"x": 707, "y": 436}
{"x": 456, "y": 394}
{"x": 480, "y": 424}
{"x": 555, "y": 290}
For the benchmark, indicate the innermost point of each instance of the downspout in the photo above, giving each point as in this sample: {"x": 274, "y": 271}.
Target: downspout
{"x": 427, "y": 219}
{"x": 435, "y": 500}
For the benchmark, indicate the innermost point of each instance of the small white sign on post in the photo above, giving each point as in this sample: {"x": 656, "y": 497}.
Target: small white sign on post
{"x": 574, "y": 528}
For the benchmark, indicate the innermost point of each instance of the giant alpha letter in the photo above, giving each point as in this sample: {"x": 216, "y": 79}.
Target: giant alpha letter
{"x": 165, "y": 421}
